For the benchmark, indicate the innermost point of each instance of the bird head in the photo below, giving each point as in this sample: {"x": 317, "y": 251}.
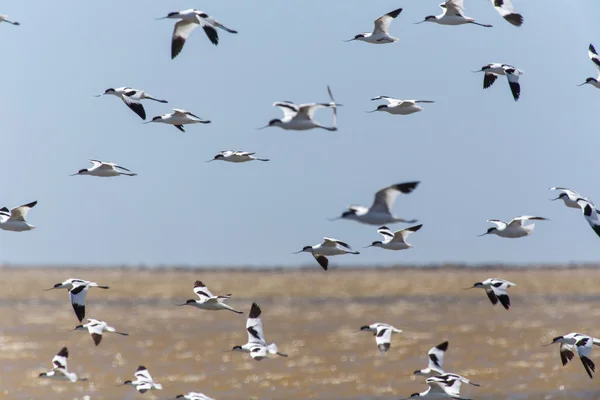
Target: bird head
{"x": 489, "y": 231}
{"x": 237, "y": 348}
{"x": 304, "y": 249}
{"x": 429, "y": 18}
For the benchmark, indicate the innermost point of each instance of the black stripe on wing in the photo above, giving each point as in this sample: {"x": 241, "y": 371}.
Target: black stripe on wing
{"x": 488, "y": 80}
{"x": 492, "y": 296}
{"x": 504, "y": 300}
{"x": 589, "y": 365}
{"x": 79, "y": 311}
{"x": 137, "y": 108}
{"x": 212, "y": 34}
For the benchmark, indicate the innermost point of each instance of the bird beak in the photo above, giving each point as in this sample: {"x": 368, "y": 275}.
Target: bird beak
{"x": 72, "y": 175}
{"x": 544, "y": 345}
{"x": 263, "y": 127}
{"x": 210, "y": 160}
{"x": 349, "y": 40}
{"x": 52, "y": 288}
{"x": 554, "y": 199}
{"x": 334, "y": 219}
{"x": 417, "y": 23}
{"x": 366, "y": 247}
{"x": 482, "y": 235}
{"x": 161, "y": 18}
{"x": 99, "y": 95}
{"x": 298, "y": 252}
{"x": 582, "y": 84}
{"x": 479, "y": 70}
{"x": 184, "y": 304}
{"x": 467, "y": 288}
{"x": 147, "y": 122}
{"x": 371, "y": 111}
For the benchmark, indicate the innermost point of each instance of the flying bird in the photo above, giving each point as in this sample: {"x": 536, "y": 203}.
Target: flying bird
{"x": 299, "y": 117}
{"x": 329, "y": 247}
{"x": 495, "y": 290}
{"x": 570, "y": 197}
{"x": 178, "y": 118}
{"x": 383, "y": 334}
{"x": 593, "y": 54}
{"x": 380, "y": 34}
{"x": 132, "y": 98}
{"x": 236, "y": 156}
{"x": 514, "y": 229}
{"x": 577, "y": 342}
{"x": 399, "y": 107}
{"x": 442, "y": 387}
{"x": 193, "y": 396}
{"x": 380, "y": 211}
{"x": 95, "y": 329}
{"x": 71, "y": 282}
{"x": 4, "y": 18}
{"x": 394, "y": 240}
{"x": 209, "y": 301}
{"x": 507, "y": 11}
{"x": 493, "y": 70}
{"x": 78, "y": 289}
{"x": 143, "y": 381}
{"x": 453, "y": 14}
{"x": 589, "y": 212}
{"x": 190, "y": 20}
{"x": 104, "y": 169}
{"x": 59, "y": 368}
{"x": 436, "y": 361}
{"x": 257, "y": 345}
{"x": 14, "y": 220}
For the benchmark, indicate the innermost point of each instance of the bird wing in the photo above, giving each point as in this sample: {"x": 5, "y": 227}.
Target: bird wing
{"x": 454, "y": 7}
{"x": 390, "y": 100}
{"x": 591, "y": 214}
{"x": 258, "y": 352}
{"x": 436, "y": 384}
{"x": 387, "y": 233}
{"x": 382, "y": 24}
{"x": 19, "y": 213}
{"x": 584, "y": 346}
{"x": 322, "y": 260}
{"x": 512, "y": 74}
{"x": 569, "y": 192}
{"x": 289, "y": 109}
{"x": 181, "y": 32}
{"x": 506, "y": 10}
{"x": 499, "y": 289}
{"x": 133, "y": 103}
{"x": 566, "y": 353}
{"x": 436, "y": 357}
{"x": 208, "y": 25}
{"x": 330, "y": 242}
{"x": 593, "y": 54}
{"x": 520, "y": 220}
{"x": 449, "y": 383}
{"x": 59, "y": 361}
{"x": 95, "y": 330}
{"x": 143, "y": 375}
{"x": 77, "y": 295}
{"x": 401, "y": 235}
{"x": 213, "y": 22}
{"x": 254, "y": 326}
{"x": 307, "y": 111}
{"x": 488, "y": 79}
{"x": 498, "y": 223}
{"x": 385, "y": 198}
{"x": 202, "y": 291}
{"x": 383, "y": 337}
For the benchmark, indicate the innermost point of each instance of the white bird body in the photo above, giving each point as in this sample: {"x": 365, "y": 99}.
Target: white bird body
{"x": 580, "y": 343}
{"x": 189, "y": 20}
{"x": 105, "y": 169}
{"x": 595, "y": 58}
{"x": 395, "y": 240}
{"x": 507, "y": 11}
{"x": 4, "y": 18}
{"x": 96, "y": 328}
{"x": 71, "y": 282}
{"x": 132, "y": 98}
{"x": 59, "y": 368}
{"x": 515, "y": 228}
{"x": 329, "y": 247}
{"x": 14, "y": 220}
{"x": 257, "y": 345}
{"x": 383, "y": 334}
{"x": 453, "y": 14}
{"x": 380, "y": 34}
{"x": 436, "y": 361}
{"x": 496, "y": 290}
{"x": 78, "y": 289}
{"x": 144, "y": 381}
{"x": 399, "y": 107}
{"x": 446, "y": 386}
{"x": 380, "y": 211}
{"x": 299, "y": 117}
{"x": 178, "y": 118}
{"x": 209, "y": 301}
{"x": 236, "y": 156}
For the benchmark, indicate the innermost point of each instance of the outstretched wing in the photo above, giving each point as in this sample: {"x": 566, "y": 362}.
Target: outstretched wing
{"x": 289, "y": 109}
{"x": 19, "y": 213}
{"x": 385, "y": 198}
{"x": 202, "y": 291}
{"x": 401, "y": 235}
{"x": 498, "y": 223}
{"x": 593, "y": 54}
{"x": 181, "y": 32}
{"x": 382, "y": 24}
{"x": 254, "y": 326}
{"x": 77, "y": 295}
{"x": 387, "y": 234}
{"x": 436, "y": 357}
{"x": 59, "y": 361}
{"x": 390, "y": 100}
{"x": 143, "y": 375}
{"x": 520, "y": 220}
{"x": 507, "y": 11}
{"x": 383, "y": 337}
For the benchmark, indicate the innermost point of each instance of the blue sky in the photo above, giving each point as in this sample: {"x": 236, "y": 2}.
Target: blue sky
{"x": 477, "y": 153}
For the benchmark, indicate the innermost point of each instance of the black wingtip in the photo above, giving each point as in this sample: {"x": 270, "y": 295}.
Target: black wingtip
{"x": 64, "y": 352}
{"x": 255, "y": 311}
{"x": 443, "y": 346}
{"x": 79, "y": 311}
{"x": 140, "y": 368}
{"x": 199, "y": 284}
{"x": 323, "y": 262}
{"x": 394, "y": 13}
{"x": 406, "y": 187}
{"x": 514, "y": 18}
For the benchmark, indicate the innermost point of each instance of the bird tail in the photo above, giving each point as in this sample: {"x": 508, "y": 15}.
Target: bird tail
{"x": 158, "y": 386}
{"x": 272, "y": 348}
{"x": 263, "y": 159}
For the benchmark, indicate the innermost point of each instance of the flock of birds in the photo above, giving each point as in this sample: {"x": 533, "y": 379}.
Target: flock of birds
{"x": 301, "y": 117}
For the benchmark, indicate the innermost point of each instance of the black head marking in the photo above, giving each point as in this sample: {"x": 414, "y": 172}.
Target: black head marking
{"x": 348, "y": 213}
{"x": 156, "y": 118}
{"x": 365, "y": 328}
{"x": 109, "y": 90}
{"x": 306, "y": 248}
{"x": 126, "y": 382}
{"x": 492, "y": 229}
{"x": 376, "y": 243}
{"x": 382, "y": 107}
{"x": 81, "y": 171}
{"x": 360, "y": 35}
{"x": 236, "y": 348}
{"x": 172, "y": 13}
{"x": 274, "y": 121}
{"x": 190, "y": 301}
{"x": 219, "y": 156}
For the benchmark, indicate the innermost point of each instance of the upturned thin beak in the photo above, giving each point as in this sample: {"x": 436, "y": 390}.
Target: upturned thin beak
{"x": 479, "y": 70}
{"x": 558, "y": 198}
{"x": 184, "y": 304}
{"x": 161, "y": 18}
{"x": 369, "y": 112}
{"x": 298, "y": 252}
{"x": 99, "y": 95}
{"x": 349, "y": 40}
{"x": 334, "y": 219}
{"x": 77, "y": 173}
{"x": 52, "y": 288}
{"x": 482, "y": 235}
{"x": 417, "y": 23}
{"x": 582, "y": 84}
{"x": 263, "y": 127}
{"x": 147, "y": 122}
{"x": 467, "y": 288}
{"x": 544, "y": 345}
{"x": 211, "y": 160}
{"x": 366, "y": 247}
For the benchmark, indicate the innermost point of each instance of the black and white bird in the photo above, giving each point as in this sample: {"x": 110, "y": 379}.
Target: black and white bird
{"x": 577, "y": 342}
{"x": 394, "y": 240}
{"x": 78, "y": 289}
{"x": 493, "y": 70}
{"x": 380, "y": 211}
{"x": 436, "y": 361}
{"x": 383, "y": 334}
{"x": 446, "y": 386}
{"x": 590, "y": 213}
{"x": 453, "y": 14}
{"x": 190, "y": 20}
{"x": 95, "y": 329}
{"x": 299, "y": 117}
{"x": 178, "y": 118}
{"x": 514, "y": 229}
{"x": 143, "y": 381}
{"x": 380, "y": 34}
{"x": 132, "y": 98}
{"x": 59, "y": 368}
{"x": 236, "y": 156}
{"x": 569, "y": 197}
{"x": 71, "y": 282}
{"x": 104, "y": 169}
{"x": 4, "y": 18}
{"x": 593, "y": 54}
{"x": 329, "y": 247}
{"x": 14, "y": 220}
{"x": 507, "y": 11}
{"x": 496, "y": 290}
{"x": 257, "y": 345}
{"x": 193, "y": 396}
{"x": 399, "y": 107}
{"x": 209, "y": 301}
